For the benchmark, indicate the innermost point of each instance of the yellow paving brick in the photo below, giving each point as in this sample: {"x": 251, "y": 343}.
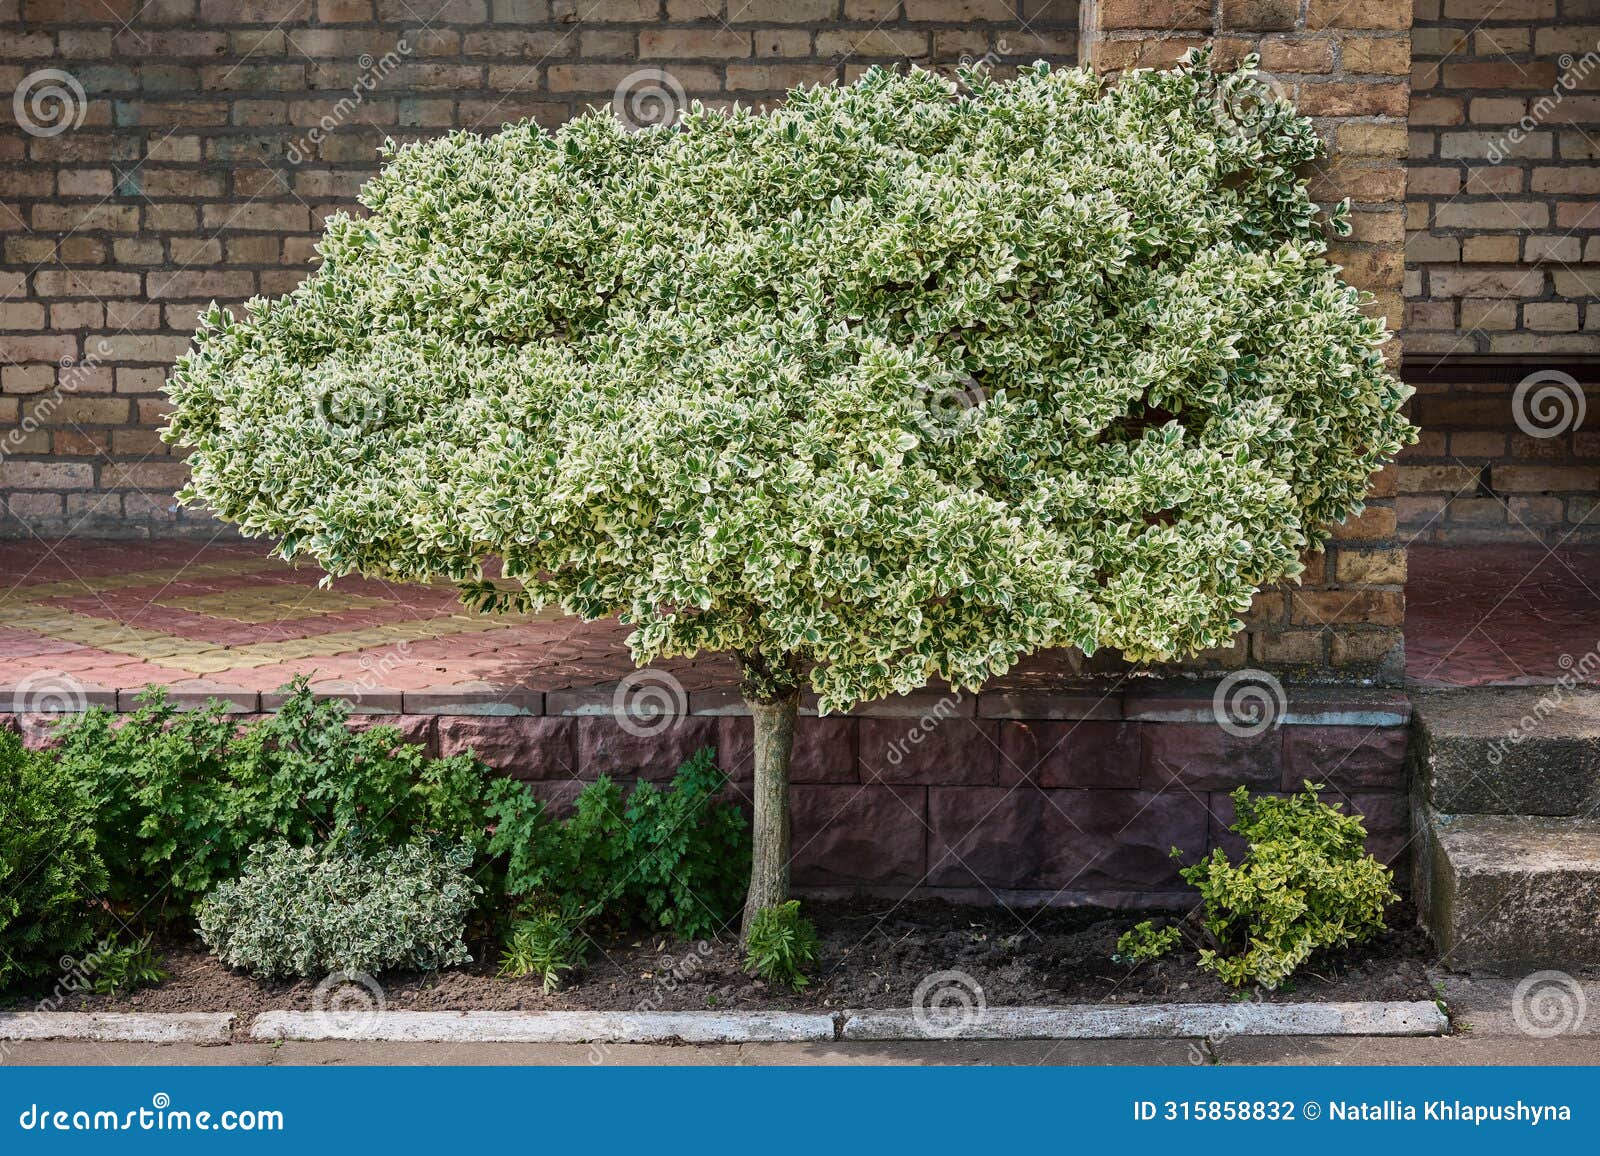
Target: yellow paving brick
{"x": 206, "y": 664}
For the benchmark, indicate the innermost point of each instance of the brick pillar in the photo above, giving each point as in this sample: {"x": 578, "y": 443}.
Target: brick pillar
{"x": 1346, "y": 64}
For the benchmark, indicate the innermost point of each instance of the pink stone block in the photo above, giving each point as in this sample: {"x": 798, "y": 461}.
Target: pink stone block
{"x": 524, "y": 747}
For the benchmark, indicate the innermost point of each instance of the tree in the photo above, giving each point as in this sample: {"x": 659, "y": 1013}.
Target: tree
{"x": 898, "y": 381}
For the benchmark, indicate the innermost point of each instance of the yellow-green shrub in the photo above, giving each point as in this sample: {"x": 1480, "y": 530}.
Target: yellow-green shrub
{"x": 1305, "y": 882}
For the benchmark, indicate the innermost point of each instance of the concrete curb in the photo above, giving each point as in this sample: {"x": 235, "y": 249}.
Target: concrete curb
{"x": 120, "y": 1027}
{"x": 555, "y": 1027}
{"x": 1155, "y": 1021}
{"x": 1086, "y": 1022}
{"x": 1161, "y": 1021}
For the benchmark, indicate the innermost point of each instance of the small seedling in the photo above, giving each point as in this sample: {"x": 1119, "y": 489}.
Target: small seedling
{"x": 781, "y": 943}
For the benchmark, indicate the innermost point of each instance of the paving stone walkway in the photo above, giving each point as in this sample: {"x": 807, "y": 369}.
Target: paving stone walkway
{"x": 1502, "y": 615}
{"x": 227, "y": 619}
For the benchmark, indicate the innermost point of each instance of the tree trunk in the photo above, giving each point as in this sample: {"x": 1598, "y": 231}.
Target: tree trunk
{"x": 769, "y": 859}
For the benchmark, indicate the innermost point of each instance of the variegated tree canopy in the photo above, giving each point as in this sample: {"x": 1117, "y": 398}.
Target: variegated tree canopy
{"x": 899, "y": 380}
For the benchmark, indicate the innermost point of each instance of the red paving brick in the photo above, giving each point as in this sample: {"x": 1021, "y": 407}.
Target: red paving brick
{"x": 1501, "y": 615}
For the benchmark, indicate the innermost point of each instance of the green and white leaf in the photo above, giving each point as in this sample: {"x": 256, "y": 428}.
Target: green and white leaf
{"x": 710, "y": 378}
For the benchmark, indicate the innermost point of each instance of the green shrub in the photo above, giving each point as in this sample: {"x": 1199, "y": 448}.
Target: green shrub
{"x": 781, "y": 943}
{"x": 895, "y": 379}
{"x": 579, "y": 860}
{"x": 1305, "y": 882}
{"x": 117, "y": 968}
{"x": 1144, "y": 944}
{"x": 673, "y": 860}
{"x": 50, "y": 869}
{"x": 179, "y": 796}
{"x": 545, "y": 944}
{"x": 313, "y": 911}
{"x": 689, "y": 854}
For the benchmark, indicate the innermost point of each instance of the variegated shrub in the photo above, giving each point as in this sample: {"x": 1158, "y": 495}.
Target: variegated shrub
{"x": 313, "y": 911}
{"x": 900, "y": 380}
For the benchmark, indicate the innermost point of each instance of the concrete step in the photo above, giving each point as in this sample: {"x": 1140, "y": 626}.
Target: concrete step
{"x": 1511, "y": 894}
{"x": 1508, "y": 750}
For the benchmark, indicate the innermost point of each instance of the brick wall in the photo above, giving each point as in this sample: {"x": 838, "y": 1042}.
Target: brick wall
{"x": 1503, "y": 259}
{"x": 1504, "y": 186}
{"x": 989, "y": 803}
{"x": 217, "y": 134}
{"x": 1477, "y": 475}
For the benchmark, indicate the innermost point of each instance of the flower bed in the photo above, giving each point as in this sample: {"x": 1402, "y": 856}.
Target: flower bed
{"x": 875, "y": 954}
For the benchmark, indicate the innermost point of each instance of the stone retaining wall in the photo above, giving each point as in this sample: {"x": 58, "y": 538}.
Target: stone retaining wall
{"x": 952, "y": 797}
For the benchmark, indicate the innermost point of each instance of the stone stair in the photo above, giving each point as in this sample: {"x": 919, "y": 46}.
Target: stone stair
{"x": 1506, "y": 793}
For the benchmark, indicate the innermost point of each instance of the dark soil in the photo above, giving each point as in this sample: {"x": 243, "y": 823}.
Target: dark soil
{"x": 874, "y": 954}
